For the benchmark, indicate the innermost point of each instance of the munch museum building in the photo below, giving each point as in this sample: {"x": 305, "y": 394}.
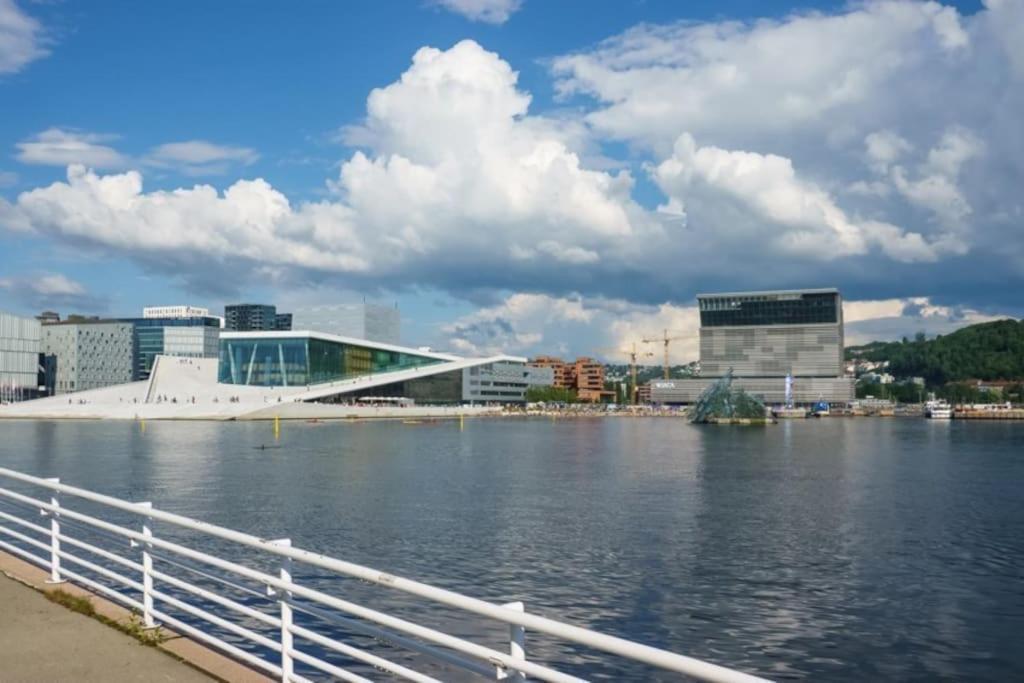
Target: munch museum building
{"x": 763, "y": 337}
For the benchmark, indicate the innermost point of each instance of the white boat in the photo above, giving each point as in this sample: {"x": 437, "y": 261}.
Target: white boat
{"x": 938, "y": 410}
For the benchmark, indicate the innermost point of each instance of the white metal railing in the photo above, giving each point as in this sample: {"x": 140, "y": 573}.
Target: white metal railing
{"x": 152, "y": 593}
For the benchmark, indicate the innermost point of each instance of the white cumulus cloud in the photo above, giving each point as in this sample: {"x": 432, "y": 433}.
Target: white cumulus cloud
{"x": 857, "y": 147}
{"x": 454, "y": 171}
{"x": 797, "y": 216}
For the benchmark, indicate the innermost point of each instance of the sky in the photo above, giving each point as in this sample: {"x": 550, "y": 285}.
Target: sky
{"x": 519, "y": 176}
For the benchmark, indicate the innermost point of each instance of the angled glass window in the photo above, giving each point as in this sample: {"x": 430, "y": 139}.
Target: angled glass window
{"x": 306, "y": 360}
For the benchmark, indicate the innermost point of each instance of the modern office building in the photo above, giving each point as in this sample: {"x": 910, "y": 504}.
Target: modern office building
{"x": 190, "y": 337}
{"x": 20, "y": 346}
{"x": 282, "y": 322}
{"x": 254, "y": 318}
{"x": 90, "y": 354}
{"x": 372, "y": 322}
{"x": 505, "y": 382}
{"x": 763, "y": 337}
{"x": 175, "y": 312}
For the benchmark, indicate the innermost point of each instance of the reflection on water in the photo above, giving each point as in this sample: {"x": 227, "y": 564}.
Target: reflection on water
{"x": 834, "y": 549}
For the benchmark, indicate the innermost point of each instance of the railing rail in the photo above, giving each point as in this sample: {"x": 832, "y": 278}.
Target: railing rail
{"x": 146, "y": 593}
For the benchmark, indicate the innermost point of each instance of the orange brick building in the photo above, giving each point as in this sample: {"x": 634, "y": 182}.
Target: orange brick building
{"x": 562, "y": 370}
{"x": 585, "y": 376}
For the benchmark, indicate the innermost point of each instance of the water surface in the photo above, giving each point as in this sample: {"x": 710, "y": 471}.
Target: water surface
{"x": 836, "y": 549}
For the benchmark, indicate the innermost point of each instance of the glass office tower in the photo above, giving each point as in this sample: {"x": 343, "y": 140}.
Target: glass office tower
{"x": 190, "y": 337}
{"x": 249, "y": 317}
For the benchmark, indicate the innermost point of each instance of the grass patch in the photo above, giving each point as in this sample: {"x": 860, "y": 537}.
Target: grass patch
{"x": 75, "y": 603}
{"x": 134, "y": 627}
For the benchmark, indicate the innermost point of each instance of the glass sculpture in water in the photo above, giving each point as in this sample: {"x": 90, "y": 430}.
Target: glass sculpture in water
{"x": 721, "y": 401}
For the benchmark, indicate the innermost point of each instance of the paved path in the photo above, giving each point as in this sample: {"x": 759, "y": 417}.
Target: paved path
{"x": 44, "y": 642}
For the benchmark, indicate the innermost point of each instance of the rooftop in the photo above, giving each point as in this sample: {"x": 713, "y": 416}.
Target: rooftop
{"x": 770, "y": 292}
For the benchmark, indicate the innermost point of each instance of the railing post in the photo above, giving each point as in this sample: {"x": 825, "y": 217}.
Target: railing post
{"x": 287, "y": 665}
{"x": 516, "y": 642}
{"x": 54, "y": 516}
{"x": 147, "y": 570}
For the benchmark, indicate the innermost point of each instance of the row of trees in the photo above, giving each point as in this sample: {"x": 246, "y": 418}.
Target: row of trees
{"x": 550, "y": 395}
{"x": 954, "y": 392}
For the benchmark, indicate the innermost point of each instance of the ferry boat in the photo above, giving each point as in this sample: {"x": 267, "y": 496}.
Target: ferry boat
{"x": 938, "y": 410}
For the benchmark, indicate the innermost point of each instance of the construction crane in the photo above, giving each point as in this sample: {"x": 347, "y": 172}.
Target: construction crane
{"x": 666, "y": 340}
{"x": 633, "y": 355}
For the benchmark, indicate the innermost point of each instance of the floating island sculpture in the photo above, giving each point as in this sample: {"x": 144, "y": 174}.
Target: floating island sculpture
{"x": 720, "y": 403}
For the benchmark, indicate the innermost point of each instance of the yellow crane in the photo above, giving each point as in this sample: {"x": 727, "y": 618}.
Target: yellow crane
{"x": 633, "y": 354}
{"x": 666, "y": 340}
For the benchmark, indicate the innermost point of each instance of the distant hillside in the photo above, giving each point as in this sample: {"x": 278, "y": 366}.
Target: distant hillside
{"x": 987, "y": 351}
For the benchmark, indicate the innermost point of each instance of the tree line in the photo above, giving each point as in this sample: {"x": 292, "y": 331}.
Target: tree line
{"x": 986, "y": 351}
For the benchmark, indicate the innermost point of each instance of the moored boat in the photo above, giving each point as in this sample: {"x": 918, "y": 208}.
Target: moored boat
{"x": 938, "y": 410}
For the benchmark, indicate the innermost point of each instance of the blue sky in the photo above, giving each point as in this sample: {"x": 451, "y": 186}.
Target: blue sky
{"x": 549, "y": 176}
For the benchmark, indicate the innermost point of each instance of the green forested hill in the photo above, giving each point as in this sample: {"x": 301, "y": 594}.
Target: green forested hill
{"x": 987, "y": 351}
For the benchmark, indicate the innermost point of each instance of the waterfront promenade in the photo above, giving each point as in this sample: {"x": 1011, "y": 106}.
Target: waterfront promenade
{"x": 44, "y": 641}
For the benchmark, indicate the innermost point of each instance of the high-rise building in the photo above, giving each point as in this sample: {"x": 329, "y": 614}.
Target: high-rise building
{"x": 250, "y": 317}
{"x": 372, "y": 322}
{"x": 763, "y": 337}
{"x": 190, "y": 337}
{"x": 282, "y": 322}
{"x": 19, "y": 357}
{"x": 772, "y": 334}
{"x": 90, "y": 354}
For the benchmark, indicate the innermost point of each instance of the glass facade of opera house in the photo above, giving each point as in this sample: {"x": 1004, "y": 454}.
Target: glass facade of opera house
{"x": 271, "y": 361}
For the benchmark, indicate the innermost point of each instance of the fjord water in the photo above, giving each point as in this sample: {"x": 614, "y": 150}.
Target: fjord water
{"x": 837, "y": 549}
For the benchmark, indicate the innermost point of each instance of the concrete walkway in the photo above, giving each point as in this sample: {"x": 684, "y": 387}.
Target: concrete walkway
{"x": 42, "y": 641}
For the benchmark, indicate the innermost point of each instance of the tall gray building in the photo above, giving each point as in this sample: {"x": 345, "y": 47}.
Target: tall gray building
{"x": 763, "y": 337}
{"x": 372, "y": 322}
{"x": 90, "y": 354}
{"x": 19, "y": 357}
{"x": 772, "y": 334}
